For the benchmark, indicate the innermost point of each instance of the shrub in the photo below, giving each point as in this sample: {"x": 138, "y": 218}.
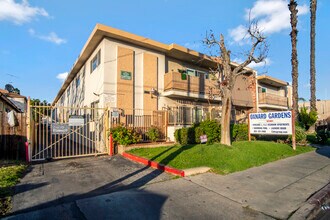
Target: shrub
{"x": 323, "y": 136}
{"x": 177, "y": 135}
{"x": 300, "y": 134}
{"x": 198, "y": 133}
{"x": 191, "y": 134}
{"x": 153, "y": 134}
{"x": 184, "y": 136}
{"x": 307, "y": 119}
{"x": 212, "y": 130}
{"x": 124, "y": 136}
{"x": 312, "y": 138}
{"x": 239, "y": 132}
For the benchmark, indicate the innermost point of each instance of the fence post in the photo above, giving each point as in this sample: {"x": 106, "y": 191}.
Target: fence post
{"x": 28, "y": 134}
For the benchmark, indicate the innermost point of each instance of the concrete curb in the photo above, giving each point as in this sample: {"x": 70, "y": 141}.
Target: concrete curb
{"x": 154, "y": 164}
{"x": 312, "y": 207}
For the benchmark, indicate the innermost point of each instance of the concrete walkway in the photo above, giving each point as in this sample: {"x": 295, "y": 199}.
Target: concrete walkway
{"x": 275, "y": 190}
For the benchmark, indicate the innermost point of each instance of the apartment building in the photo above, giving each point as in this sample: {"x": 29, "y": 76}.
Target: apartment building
{"x": 273, "y": 94}
{"x": 138, "y": 77}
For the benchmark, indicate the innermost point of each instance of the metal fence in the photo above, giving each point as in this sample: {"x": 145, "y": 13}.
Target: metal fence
{"x": 140, "y": 121}
{"x": 61, "y": 132}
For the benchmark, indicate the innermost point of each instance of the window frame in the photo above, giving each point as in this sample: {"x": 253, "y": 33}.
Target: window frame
{"x": 97, "y": 60}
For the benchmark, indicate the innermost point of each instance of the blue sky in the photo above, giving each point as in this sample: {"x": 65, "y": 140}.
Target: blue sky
{"x": 41, "y": 39}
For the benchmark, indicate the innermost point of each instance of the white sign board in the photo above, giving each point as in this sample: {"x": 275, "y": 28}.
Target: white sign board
{"x": 203, "y": 139}
{"x": 60, "y": 128}
{"x": 274, "y": 123}
{"x": 76, "y": 120}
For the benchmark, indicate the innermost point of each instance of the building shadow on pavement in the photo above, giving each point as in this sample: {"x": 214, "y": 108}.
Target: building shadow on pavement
{"x": 116, "y": 186}
{"x": 324, "y": 151}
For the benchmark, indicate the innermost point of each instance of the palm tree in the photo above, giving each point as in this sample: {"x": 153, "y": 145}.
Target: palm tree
{"x": 294, "y": 57}
{"x": 313, "y": 4}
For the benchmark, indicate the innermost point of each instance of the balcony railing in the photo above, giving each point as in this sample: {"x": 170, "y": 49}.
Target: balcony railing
{"x": 271, "y": 99}
{"x": 186, "y": 83}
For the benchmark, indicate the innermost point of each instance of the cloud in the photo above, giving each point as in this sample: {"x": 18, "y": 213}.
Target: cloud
{"x": 51, "y": 37}
{"x": 62, "y": 76}
{"x": 273, "y": 16}
{"x": 19, "y": 13}
{"x": 307, "y": 85}
{"x": 193, "y": 46}
{"x": 253, "y": 65}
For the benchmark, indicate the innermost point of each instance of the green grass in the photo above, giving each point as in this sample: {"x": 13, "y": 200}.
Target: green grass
{"x": 10, "y": 173}
{"x": 222, "y": 159}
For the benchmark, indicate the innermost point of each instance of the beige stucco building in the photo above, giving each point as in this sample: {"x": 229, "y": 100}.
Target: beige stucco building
{"x": 273, "y": 94}
{"x": 140, "y": 76}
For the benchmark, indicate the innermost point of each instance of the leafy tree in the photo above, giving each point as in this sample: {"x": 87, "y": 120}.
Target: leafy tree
{"x": 307, "y": 119}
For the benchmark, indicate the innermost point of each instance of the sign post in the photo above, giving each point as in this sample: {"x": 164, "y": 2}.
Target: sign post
{"x": 293, "y": 131}
{"x": 273, "y": 123}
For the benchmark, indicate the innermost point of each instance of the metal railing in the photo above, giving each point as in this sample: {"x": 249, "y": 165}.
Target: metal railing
{"x": 266, "y": 98}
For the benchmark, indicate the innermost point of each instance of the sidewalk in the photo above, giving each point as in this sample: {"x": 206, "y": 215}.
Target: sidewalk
{"x": 275, "y": 190}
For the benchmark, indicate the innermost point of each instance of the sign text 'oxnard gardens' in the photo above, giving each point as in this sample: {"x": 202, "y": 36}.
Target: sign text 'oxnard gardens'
{"x": 271, "y": 123}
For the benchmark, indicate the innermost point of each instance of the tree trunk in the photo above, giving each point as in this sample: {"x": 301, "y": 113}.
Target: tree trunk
{"x": 294, "y": 57}
{"x": 313, "y": 4}
{"x": 225, "y": 118}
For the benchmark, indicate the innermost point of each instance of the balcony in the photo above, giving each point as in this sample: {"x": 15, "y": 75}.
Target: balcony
{"x": 176, "y": 84}
{"x": 275, "y": 100}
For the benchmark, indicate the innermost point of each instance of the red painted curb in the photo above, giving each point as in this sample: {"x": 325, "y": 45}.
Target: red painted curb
{"x": 153, "y": 164}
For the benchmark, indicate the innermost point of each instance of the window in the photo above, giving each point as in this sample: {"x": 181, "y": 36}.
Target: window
{"x": 263, "y": 90}
{"x": 95, "y": 62}
{"x": 77, "y": 81}
{"x": 191, "y": 72}
{"x": 94, "y": 110}
{"x": 83, "y": 72}
{"x": 68, "y": 92}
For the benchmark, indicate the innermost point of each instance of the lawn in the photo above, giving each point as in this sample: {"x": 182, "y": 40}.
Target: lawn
{"x": 222, "y": 159}
{"x": 10, "y": 173}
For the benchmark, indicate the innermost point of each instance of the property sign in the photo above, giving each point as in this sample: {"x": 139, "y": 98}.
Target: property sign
{"x": 60, "y": 128}
{"x": 76, "y": 120}
{"x": 271, "y": 123}
{"x": 126, "y": 75}
{"x": 203, "y": 139}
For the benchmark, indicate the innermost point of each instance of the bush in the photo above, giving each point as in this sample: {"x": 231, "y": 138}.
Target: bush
{"x": 153, "y": 134}
{"x": 300, "y": 134}
{"x": 323, "y": 136}
{"x": 177, "y": 135}
{"x": 312, "y": 138}
{"x": 124, "y": 136}
{"x": 239, "y": 132}
{"x": 212, "y": 130}
{"x": 307, "y": 119}
{"x": 198, "y": 133}
{"x": 184, "y": 136}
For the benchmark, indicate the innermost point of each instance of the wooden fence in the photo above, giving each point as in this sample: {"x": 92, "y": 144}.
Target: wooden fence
{"x": 12, "y": 139}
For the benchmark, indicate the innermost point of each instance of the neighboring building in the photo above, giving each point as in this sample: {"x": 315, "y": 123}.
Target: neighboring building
{"x": 273, "y": 94}
{"x": 139, "y": 76}
{"x": 18, "y": 100}
{"x": 322, "y": 106}
{"x": 6, "y": 105}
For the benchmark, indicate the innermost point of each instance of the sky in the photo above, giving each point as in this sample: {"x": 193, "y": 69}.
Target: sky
{"x": 40, "y": 40}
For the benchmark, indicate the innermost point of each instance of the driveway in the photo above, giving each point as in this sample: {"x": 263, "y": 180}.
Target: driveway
{"x": 273, "y": 191}
{"x": 62, "y": 181}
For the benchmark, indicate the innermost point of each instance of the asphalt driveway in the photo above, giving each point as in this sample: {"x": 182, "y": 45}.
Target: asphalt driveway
{"x": 62, "y": 181}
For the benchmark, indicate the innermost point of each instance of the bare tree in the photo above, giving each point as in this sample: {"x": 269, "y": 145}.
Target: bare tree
{"x": 226, "y": 73}
{"x": 313, "y": 4}
{"x": 294, "y": 56}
